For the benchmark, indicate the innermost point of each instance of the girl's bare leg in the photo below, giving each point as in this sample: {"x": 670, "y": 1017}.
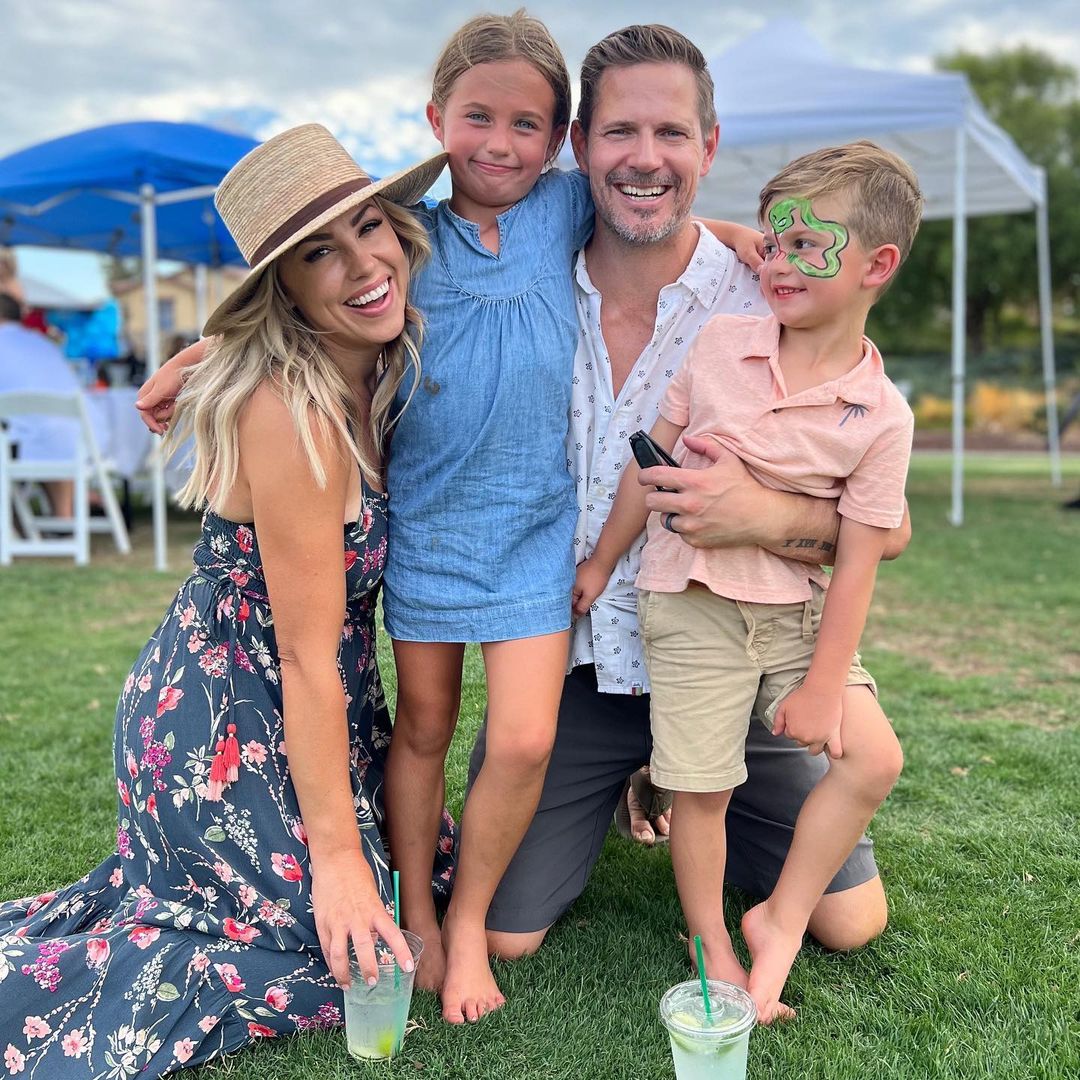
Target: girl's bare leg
{"x": 429, "y": 694}
{"x": 524, "y": 679}
{"x": 831, "y": 821}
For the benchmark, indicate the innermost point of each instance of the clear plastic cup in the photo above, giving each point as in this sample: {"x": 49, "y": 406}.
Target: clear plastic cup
{"x": 708, "y": 1049}
{"x": 375, "y": 1016}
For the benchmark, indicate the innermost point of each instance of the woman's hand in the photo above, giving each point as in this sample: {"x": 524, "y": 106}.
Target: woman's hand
{"x": 348, "y": 908}
{"x": 157, "y": 396}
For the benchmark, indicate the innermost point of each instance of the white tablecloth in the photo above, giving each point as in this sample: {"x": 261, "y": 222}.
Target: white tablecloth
{"x": 122, "y": 437}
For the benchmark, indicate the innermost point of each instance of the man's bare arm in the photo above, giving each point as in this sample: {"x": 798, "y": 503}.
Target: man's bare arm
{"x": 724, "y": 506}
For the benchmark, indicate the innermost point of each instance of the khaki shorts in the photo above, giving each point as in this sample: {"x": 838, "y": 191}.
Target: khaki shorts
{"x": 713, "y": 663}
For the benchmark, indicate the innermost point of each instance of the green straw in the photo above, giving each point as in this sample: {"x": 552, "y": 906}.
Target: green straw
{"x": 701, "y": 976}
{"x": 396, "y": 876}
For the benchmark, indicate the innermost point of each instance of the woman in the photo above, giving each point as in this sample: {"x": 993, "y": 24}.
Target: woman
{"x": 252, "y": 731}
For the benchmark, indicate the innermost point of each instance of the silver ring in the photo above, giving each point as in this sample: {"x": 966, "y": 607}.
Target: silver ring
{"x": 666, "y": 522}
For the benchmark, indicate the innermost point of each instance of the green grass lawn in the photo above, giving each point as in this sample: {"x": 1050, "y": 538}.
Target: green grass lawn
{"x": 975, "y": 641}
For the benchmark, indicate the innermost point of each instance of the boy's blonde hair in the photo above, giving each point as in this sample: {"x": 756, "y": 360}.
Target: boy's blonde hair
{"x": 487, "y": 39}
{"x": 266, "y": 340}
{"x": 650, "y": 44}
{"x": 883, "y": 191}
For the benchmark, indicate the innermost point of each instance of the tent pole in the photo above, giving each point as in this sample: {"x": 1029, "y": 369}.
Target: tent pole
{"x": 959, "y": 326}
{"x": 1042, "y": 235}
{"x": 200, "y": 297}
{"x": 153, "y": 359}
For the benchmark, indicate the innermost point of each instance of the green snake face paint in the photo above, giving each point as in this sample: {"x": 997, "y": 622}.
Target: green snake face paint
{"x": 825, "y": 241}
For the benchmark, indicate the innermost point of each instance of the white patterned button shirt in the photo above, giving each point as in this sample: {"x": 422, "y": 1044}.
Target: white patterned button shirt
{"x": 713, "y": 283}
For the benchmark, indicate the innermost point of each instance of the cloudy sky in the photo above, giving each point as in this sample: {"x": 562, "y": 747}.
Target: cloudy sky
{"x": 262, "y": 65}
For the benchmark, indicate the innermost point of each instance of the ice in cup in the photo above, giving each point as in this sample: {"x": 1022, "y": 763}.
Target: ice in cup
{"x": 375, "y": 1016}
{"x": 704, "y": 1048}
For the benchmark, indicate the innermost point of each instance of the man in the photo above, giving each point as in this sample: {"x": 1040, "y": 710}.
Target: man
{"x": 30, "y": 361}
{"x": 647, "y": 281}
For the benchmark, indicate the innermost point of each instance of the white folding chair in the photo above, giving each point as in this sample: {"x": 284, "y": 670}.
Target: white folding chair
{"x": 16, "y": 474}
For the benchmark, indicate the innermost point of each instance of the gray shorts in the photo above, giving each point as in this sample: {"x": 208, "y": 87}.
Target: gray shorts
{"x": 601, "y": 740}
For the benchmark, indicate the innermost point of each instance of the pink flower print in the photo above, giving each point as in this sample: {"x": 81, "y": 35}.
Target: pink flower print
{"x": 208, "y": 1023}
{"x": 123, "y": 844}
{"x": 281, "y": 749}
{"x": 287, "y": 867}
{"x": 132, "y": 764}
{"x": 39, "y": 902}
{"x": 367, "y": 518}
{"x": 14, "y": 1060}
{"x": 240, "y": 931}
{"x": 243, "y": 662}
{"x": 230, "y": 977}
{"x": 97, "y": 952}
{"x": 144, "y": 936}
{"x": 145, "y": 682}
{"x": 225, "y": 607}
{"x": 299, "y": 831}
{"x": 245, "y": 538}
{"x": 215, "y": 660}
{"x": 200, "y": 961}
{"x": 143, "y": 892}
{"x": 243, "y": 611}
{"x": 260, "y": 1031}
{"x": 253, "y": 753}
{"x": 273, "y": 915}
{"x": 122, "y": 789}
{"x": 247, "y": 895}
{"x": 350, "y": 560}
{"x": 238, "y": 577}
{"x": 129, "y": 683}
{"x": 277, "y": 997}
{"x": 446, "y": 844}
{"x": 187, "y": 616}
{"x": 75, "y": 1044}
{"x": 151, "y": 806}
{"x": 168, "y": 699}
{"x": 194, "y": 643}
{"x": 44, "y": 970}
{"x": 35, "y": 1028}
{"x": 183, "y": 1049}
{"x": 224, "y": 871}
{"x": 116, "y": 878}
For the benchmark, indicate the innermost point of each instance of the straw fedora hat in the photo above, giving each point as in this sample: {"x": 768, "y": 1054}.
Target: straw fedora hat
{"x": 289, "y": 187}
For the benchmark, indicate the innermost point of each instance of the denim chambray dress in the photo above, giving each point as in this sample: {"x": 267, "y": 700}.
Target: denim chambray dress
{"x": 482, "y": 507}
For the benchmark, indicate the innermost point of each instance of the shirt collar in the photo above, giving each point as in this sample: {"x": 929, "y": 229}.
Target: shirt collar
{"x": 862, "y": 385}
{"x": 704, "y": 274}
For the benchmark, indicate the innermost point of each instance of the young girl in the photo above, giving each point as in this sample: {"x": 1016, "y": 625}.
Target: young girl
{"x": 482, "y": 505}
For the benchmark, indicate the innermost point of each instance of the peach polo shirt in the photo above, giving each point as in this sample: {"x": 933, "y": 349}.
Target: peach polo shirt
{"x": 847, "y": 439}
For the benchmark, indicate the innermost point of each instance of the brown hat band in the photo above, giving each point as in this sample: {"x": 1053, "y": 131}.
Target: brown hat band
{"x": 305, "y": 214}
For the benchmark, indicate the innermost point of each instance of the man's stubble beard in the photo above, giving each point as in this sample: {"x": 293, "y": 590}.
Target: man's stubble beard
{"x": 640, "y": 233}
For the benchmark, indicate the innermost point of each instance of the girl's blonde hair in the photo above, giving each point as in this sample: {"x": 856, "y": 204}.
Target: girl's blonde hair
{"x": 487, "y": 39}
{"x": 266, "y": 339}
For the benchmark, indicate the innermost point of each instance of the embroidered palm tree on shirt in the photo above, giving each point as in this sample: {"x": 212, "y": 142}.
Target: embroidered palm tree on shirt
{"x": 850, "y": 410}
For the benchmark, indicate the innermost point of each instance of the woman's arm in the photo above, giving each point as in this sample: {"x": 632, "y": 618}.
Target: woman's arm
{"x": 300, "y": 530}
{"x": 157, "y": 396}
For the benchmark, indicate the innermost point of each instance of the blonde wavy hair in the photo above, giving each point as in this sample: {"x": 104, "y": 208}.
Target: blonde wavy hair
{"x": 266, "y": 339}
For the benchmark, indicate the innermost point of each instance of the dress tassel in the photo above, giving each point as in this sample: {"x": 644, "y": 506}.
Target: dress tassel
{"x": 232, "y": 756}
{"x": 218, "y": 774}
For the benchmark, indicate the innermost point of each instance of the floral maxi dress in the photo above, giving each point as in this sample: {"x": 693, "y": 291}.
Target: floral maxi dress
{"x": 197, "y": 936}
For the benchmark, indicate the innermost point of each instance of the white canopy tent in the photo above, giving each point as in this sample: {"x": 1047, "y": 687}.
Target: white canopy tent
{"x": 779, "y": 94}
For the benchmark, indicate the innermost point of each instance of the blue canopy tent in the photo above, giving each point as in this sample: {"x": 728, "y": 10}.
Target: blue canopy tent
{"x": 143, "y": 188}
{"x": 772, "y": 110}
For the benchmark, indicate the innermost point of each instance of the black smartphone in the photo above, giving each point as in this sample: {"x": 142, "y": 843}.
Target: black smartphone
{"x": 649, "y": 453}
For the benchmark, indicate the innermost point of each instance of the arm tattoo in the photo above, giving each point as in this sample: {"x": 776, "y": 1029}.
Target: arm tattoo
{"x": 808, "y": 542}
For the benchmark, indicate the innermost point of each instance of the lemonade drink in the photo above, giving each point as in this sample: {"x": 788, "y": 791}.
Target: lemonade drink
{"x": 708, "y": 1048}
{"x": 375, "y": 1016}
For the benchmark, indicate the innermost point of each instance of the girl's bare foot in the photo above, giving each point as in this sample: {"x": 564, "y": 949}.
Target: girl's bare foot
{"x": 773, "y": 949}
{"x": 720, "y": 959}
{"x": 469, "y": 990}
{"x": 431, "y": 970}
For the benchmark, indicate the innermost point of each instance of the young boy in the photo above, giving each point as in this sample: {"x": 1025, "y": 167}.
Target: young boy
{"x": 803, "y": 399}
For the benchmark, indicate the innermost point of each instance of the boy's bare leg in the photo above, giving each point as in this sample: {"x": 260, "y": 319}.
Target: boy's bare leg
{"x": 698, "y": 855}
{"x": 429, "y": 694}
{"x": 524, "y": 679}
{"x": 833, "y": 817}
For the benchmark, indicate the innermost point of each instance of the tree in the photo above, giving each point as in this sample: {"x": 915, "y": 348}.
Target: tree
{"x": 1034, "y": 98}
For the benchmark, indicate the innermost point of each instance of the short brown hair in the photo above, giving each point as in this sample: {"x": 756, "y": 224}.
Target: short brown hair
{"x": 886, "y": 203}
{"x": 652, "y": 44}
{"x": 488, "y": 39}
